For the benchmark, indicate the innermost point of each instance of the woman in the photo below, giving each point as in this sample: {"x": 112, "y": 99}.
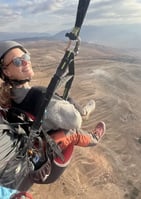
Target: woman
{"x": 16, "y": 72}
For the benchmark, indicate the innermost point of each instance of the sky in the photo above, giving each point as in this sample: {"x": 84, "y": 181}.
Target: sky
{"x": 52, "y": 16}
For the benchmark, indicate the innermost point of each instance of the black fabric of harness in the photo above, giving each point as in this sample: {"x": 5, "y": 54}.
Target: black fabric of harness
{"x": 81, "y": 12}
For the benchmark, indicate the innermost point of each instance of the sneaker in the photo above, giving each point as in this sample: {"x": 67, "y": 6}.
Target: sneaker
{"x": 84, "y": 111}
{"x": 99, "y": 131}
{"x": 20, "y": 195}
{"x": 88, "y": 109}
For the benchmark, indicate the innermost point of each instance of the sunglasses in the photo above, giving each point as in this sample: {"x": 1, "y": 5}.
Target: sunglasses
{"x": 18, "y": 61}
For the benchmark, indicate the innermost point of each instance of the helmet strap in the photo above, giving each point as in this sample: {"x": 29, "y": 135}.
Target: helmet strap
{"x": 15, "y": 82}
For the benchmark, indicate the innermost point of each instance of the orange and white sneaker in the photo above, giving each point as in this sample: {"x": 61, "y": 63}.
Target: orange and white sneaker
{"x": 98, "y": 132}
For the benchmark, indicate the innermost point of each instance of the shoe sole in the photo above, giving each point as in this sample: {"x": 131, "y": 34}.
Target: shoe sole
{"x": 103, "y": 126}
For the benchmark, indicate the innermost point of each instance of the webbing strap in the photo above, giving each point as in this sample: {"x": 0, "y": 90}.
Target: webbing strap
{"x": 5, "y": 127}
{"x": 81, "y": 12}
{"x": 69, "y": 82}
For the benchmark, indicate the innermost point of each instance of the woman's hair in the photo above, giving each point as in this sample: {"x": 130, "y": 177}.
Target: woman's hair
{"x": 5, "y": 95}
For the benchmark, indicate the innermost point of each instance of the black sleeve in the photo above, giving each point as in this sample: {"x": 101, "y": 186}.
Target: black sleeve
{"x": 32, "y": 101}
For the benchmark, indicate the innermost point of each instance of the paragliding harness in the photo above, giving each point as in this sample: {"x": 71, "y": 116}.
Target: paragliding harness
{"x": 33, "y": 151}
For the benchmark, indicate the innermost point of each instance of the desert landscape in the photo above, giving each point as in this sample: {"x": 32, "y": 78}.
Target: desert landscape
{"x": 112, "y": 77}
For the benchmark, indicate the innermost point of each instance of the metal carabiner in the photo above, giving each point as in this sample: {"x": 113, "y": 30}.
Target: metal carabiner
{"x": 75, "y": 46}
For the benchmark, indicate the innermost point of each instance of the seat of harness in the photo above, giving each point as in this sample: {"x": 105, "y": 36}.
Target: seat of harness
{"x": 16, "y": 116}
{"x": 19, "y": 118}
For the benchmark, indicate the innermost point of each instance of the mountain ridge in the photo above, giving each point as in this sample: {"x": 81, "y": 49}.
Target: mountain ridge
{"x": 121, "y": 36}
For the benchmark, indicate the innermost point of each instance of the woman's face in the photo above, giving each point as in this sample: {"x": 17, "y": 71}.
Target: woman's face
{"x": 21, "y": 72}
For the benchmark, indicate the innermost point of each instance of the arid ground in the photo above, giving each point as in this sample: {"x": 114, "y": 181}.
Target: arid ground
{"x": 112, "y": 77}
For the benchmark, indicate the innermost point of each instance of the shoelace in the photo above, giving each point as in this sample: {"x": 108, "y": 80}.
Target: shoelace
{"x": 97, "y": 135}
{"x": 20, "y": 195}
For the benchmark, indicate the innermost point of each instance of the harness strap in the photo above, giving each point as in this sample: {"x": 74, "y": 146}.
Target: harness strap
{"x": 81, "y": 12}
{"x": 5, "y": 127}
